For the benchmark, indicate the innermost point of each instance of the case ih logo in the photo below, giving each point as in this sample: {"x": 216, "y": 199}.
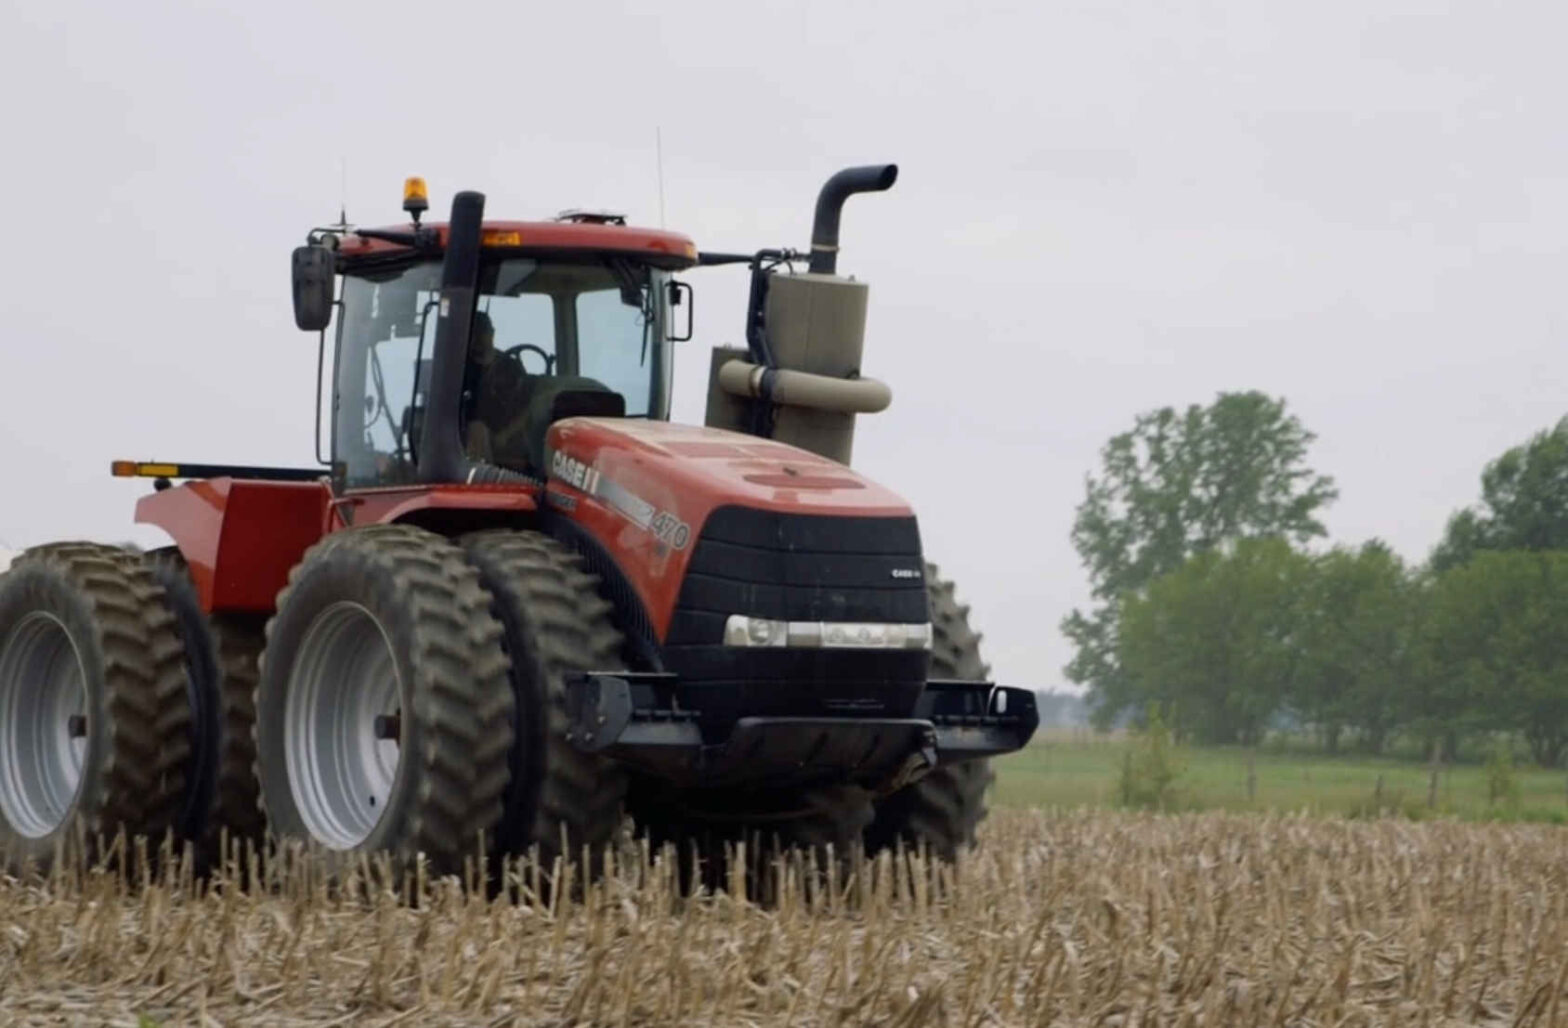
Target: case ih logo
{"x": 574, "y": 472}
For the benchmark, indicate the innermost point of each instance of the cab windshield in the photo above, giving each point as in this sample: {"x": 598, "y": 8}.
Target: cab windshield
{"x": 540, "y": 327}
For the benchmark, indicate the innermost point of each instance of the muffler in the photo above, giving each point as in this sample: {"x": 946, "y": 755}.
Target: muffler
{"x": 815, "y": 327}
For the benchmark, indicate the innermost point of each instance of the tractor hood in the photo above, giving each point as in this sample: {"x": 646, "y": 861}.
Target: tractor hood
{"x": 692, "y": 469}
{"x": 644, "y": 489}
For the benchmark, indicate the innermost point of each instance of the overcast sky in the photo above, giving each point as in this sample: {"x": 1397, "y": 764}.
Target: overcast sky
{"x": 1103, "y": 207}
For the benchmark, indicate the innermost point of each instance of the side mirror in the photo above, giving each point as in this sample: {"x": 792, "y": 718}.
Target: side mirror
{"x": 680, "y": 295}
{"x": 314, "y": 283}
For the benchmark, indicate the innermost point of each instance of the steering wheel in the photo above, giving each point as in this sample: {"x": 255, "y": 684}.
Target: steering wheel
{"x": 515, "y": 352}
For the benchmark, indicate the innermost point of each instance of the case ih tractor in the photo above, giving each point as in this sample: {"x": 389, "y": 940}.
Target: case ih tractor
{"x": 517, "y": 602}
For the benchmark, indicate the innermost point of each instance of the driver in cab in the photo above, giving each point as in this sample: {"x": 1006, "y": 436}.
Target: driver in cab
{"x": 495, "y": 397}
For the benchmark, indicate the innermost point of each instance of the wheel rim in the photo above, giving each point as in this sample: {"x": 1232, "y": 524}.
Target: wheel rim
{"x": 340, "y": 770}
{"x": 43, "y": 725}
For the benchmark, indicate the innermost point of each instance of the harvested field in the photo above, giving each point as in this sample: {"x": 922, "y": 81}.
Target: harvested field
{"x": 1087, "y": 918}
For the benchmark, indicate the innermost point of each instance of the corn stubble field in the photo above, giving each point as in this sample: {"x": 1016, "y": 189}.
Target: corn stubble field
{"x": 1072, "y": 918}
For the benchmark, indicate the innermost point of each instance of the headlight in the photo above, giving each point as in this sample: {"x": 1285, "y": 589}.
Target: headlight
{"x": 740, "y": 630}
{"x": 743, "y": 630}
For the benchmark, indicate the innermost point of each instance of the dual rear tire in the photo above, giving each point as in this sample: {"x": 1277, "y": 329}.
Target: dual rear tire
{"x": 94, "y": 717}
{"x": 123, "y": 707}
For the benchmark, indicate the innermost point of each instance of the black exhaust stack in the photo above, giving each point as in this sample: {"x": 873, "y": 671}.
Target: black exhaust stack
{"x": 872, "y": 178}
{"x": 441, "y": 456}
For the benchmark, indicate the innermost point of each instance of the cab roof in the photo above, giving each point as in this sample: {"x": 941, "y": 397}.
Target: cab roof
{"x": 663, "y": 249}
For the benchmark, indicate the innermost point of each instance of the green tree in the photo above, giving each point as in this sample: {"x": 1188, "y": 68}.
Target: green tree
{"x": 1175, "y": 485}
{"x": 1216, "y": 641}
{"x": 1151, "y": 766}
{"x": 1495, "y": 655}
{"x": 1359, "y": 612}
{"x": 1524, "y": 503}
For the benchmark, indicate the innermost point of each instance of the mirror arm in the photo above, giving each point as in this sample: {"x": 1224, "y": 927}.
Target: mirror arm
{"x": 321, "y": 360}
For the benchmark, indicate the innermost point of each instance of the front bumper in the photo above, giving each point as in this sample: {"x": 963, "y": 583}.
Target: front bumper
{"x": 637, "y": 719}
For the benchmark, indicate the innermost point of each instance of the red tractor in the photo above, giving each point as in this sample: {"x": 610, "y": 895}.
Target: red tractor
{"x": 517, "y": 603}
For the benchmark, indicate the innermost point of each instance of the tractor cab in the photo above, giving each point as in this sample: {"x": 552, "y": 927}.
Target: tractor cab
{"x": 568, "y": 317}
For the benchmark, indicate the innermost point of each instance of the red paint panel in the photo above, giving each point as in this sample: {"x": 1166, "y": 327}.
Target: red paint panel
{"x": 686, "y": 472}
{"x": 240, "y": 537}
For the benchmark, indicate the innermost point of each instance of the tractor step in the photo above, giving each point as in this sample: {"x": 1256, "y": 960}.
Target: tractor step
{"x": 637, "y": 719}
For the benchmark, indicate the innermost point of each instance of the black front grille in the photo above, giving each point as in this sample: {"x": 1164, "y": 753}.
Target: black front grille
{"x": 798, "y": 567}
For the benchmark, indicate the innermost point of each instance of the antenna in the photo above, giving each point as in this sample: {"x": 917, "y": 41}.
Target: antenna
{"x": 343, "y": 190}
{"x": 658, "y": 150}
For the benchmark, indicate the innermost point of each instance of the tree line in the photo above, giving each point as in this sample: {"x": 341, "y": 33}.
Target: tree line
{"x": 1212, "y": 602}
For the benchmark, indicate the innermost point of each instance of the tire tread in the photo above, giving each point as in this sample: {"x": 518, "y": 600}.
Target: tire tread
{"x": 942, "y": 811}
{"x": 556, "y": 621}
{"x": 142, "y": 773}
{"x": 459, "y": 685}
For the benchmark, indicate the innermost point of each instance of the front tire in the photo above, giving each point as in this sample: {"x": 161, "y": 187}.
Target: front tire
{"x": 94, "y": 724}
{"x": 941, "y": 812}
{"x": 383, "y": 714}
